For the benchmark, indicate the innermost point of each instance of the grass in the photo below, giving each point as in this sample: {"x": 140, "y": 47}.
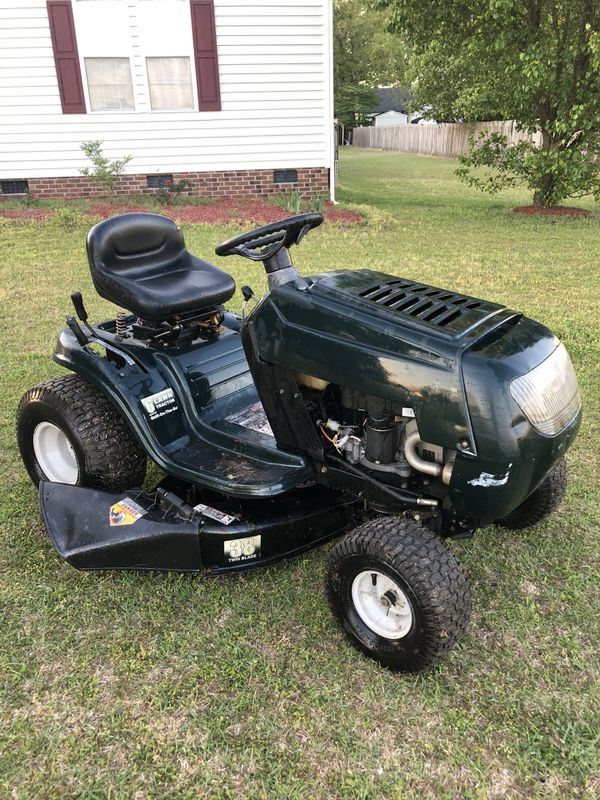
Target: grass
{"x": 163, "y": 686}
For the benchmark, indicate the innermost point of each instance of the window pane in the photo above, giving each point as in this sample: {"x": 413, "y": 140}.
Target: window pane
{"x": 170, "y": 82}
{"x": 109, "y": 83}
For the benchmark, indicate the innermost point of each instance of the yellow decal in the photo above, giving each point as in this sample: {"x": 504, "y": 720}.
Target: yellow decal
{"x": 125, "y": 512}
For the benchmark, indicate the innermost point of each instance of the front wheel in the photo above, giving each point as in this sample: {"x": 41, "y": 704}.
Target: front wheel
{"x": 69, "y": 432}
{"x": 541, "y": 503}
{"x": 399, "y": 593}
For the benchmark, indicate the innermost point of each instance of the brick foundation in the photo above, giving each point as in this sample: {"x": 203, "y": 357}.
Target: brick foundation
{"x": 238, "y": 183}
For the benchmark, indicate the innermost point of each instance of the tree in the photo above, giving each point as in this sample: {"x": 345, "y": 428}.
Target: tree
{"x": 103, "y": 170}
{"x": 365, "y": 54}
{"x": 533, "y": 61}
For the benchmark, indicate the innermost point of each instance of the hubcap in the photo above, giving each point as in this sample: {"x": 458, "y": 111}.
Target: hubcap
{"x": 381, "y": 604}
{"x": 54, "y": 453}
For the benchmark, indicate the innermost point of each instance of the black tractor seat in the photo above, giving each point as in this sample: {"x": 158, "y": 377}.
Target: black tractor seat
{"x": 139, "y": 262}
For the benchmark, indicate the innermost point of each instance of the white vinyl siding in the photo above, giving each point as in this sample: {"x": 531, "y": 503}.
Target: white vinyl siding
{"x": 274, "y": 65}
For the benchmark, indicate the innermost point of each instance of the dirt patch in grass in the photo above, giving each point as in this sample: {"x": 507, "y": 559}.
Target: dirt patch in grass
{"x": 553, "y": 211}
{"x": 223, "y": 211}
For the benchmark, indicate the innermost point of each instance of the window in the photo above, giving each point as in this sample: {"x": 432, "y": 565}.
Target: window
{"x": 170, "y": 82}
{"x": 14, "y": 187}
{"x": 159, "y": 181}
{"x": 109, "y": 83}
{"x": 285, "y": 176}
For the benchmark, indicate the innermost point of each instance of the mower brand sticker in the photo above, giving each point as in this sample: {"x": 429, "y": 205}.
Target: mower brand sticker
{"x": 242, "y": 549}
{"x": 253, "y": 417}
{"x": 408, "y": 412}
{"x": 214, "y": 513}
{"x": 125, "y": 512}
{"x": 159, "y": 404}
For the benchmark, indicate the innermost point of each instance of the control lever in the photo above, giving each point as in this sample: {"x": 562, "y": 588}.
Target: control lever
{"x": 77, "y": 332}
{"x": 247, "y": 294}
{"x": 77, "y": 301}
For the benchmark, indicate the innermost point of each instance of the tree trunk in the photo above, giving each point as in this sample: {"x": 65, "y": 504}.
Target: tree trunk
{"x": 544, "y": 193}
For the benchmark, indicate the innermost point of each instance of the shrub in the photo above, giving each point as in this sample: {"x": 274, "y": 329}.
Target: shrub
{"x": 103, "y": 170}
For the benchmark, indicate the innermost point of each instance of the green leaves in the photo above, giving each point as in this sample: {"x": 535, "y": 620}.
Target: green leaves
{"x": 554, "y": 171}
{"x": 365, "y": 54}
{"x": 533, "y": 61}
{"x": 103, "y": 170}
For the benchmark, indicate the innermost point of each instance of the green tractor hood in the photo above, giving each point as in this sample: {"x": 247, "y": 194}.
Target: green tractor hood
{"x": 448, "y": 357}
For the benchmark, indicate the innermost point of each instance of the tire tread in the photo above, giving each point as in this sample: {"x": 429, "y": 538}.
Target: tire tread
{"x": 541, "y": 503}
{"x": 113, "y": 458}
{"x": 428, "y": 565}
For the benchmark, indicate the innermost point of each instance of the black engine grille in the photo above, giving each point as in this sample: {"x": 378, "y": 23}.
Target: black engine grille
{"x": 437, "y": 307}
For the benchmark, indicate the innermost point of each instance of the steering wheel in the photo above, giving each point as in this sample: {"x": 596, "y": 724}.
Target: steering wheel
{"x": 263, "y": 243}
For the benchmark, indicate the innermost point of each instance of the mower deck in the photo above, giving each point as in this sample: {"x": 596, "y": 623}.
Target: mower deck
{"x": 161, "y": 530}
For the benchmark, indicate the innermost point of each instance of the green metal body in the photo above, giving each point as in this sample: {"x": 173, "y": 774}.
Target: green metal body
{"x": 338, "y": 328}
{"x": 455, "y": 378}
{"x": 190, "y": 438}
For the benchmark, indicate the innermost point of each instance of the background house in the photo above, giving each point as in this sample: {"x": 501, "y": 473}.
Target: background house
{"x": 392, "y": 109}
{"x": 237, "y": 98}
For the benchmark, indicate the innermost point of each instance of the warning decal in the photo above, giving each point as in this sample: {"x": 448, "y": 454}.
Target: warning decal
{"x": 214, "y": 513}
{"x": 253, "y": 417}
{"x": 125, "y": 512}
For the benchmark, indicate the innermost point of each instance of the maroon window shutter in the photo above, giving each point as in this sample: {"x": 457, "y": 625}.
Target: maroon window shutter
{"x": 205, "y": 55}
{"x": 66, "y": 58}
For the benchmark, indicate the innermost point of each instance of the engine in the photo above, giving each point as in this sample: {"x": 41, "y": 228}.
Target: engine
{"x": 369, "y": 432}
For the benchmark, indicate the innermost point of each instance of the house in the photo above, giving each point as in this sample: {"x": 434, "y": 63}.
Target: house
{"x": 392, "y": 109}
{"x": 234, "y": 97}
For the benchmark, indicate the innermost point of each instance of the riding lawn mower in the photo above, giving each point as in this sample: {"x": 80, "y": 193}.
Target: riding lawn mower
{"x": 381, "y": 411}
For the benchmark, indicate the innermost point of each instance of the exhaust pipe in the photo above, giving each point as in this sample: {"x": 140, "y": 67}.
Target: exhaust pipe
{"x": 427, "y": 467}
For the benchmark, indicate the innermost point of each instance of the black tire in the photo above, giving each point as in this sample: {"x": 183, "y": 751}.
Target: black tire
{"x": 107, "y": 454}
{"x": 541, "y": 503}
{"x": 428, "y": 574}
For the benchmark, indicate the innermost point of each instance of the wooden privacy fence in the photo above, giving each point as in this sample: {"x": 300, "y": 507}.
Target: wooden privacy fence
{"x": 448, "y": 139}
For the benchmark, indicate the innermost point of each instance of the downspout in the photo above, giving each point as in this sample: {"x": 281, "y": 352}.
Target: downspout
{"x": 329, "y": 113}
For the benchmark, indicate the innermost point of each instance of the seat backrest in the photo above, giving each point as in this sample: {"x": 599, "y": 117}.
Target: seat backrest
{"x": 134, "y": 243}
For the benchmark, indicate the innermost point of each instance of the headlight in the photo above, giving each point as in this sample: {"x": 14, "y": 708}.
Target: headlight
{"x": 548, "y": 395}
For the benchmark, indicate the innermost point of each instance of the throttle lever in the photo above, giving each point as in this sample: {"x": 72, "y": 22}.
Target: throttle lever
{"x": 77, "y": 301}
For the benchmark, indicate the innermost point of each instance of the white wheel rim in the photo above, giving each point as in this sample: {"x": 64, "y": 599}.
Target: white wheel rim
{"x": 381, "y": 604}
{"x": 54, "y": 453}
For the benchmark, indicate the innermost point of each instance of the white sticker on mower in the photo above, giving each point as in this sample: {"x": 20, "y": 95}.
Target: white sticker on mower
{"x": 159, "y": 404}
{"x": 408, "y": 412}
{"x": 242, "y": 549}
{"x": 254, "y": 418}
{"x": 486, "y": 479}
{"x": 214, "y": 513}
{"x": 125, "y": 512}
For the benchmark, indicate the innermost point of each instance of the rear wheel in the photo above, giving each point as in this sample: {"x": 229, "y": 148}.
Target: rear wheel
{"x": 541, "y": 503}
{"x": 399, "y": 593}
{"x": 69, "y": 432}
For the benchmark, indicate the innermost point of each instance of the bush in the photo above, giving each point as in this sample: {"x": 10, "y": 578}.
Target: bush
{"x": 555, "y": 171}
{"x": 103, "y": 170}
{"x": 173, "y": 190}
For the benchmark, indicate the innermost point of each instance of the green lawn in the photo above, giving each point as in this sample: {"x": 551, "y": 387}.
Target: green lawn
{"x": 163, "y": 686}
